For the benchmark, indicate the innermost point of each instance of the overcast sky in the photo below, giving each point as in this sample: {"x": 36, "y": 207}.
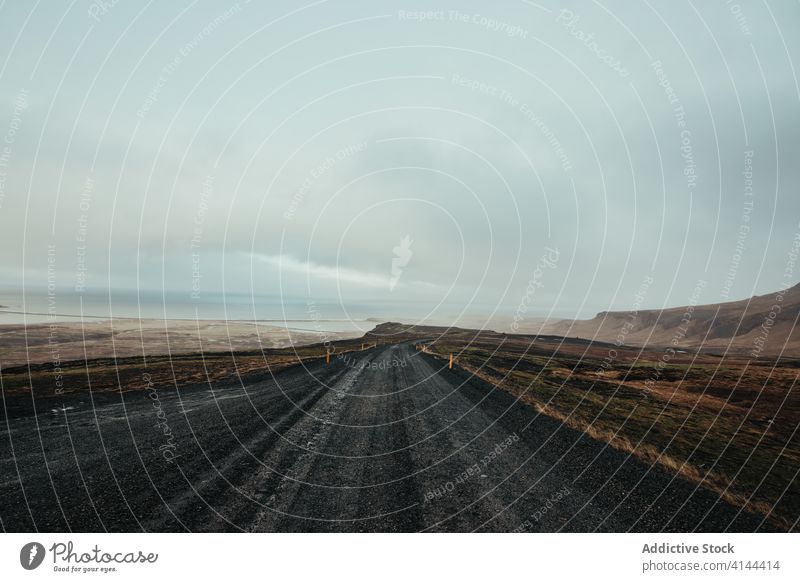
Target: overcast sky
{"x": 354, "y": 151}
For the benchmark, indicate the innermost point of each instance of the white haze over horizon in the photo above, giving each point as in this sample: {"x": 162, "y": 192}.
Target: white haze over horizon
{"x": 360, "y": 154}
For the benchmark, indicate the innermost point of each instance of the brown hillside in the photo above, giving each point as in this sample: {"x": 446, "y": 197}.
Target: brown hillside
{"x": 748, "y": 326}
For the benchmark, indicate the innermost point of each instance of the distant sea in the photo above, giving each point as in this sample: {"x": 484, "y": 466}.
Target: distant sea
{"x": 299, "y": 314}
{"x": 38, "y": 306}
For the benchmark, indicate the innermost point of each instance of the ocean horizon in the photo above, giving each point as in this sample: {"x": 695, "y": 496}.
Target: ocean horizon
{"x": 40, "y": 305}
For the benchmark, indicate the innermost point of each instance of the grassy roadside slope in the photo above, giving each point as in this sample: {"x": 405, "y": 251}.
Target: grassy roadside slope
{"x": 727, "y": 424}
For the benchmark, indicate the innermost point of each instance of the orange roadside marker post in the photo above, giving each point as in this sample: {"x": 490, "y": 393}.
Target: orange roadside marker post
{"x": 327, "y": 357}
{"x": 451, "y": 361}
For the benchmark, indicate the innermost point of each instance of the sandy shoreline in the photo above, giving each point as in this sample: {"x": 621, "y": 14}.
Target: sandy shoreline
{"x": 64, "y": 341}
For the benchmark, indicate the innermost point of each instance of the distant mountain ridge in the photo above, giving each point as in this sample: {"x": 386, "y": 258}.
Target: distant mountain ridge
{"x": 761, "y": 325}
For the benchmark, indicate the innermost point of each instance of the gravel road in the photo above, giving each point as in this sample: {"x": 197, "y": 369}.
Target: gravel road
{"x": 387, "y": 439}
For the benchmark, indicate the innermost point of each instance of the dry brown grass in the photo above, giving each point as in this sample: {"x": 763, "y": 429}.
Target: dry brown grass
{"x": 690, "y": 418}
